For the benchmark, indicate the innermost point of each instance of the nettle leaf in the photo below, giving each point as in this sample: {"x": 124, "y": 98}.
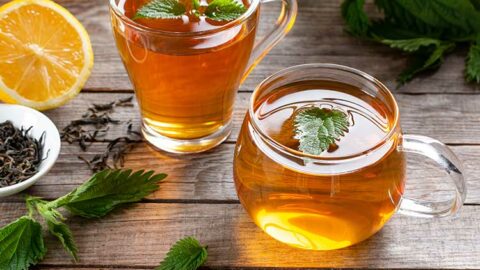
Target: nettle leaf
{"x": 358, "y": 23}
{"x": 476, "y": 4}
{"x": 473, "y": 63}
{"x": 56, "y": 226}
{"x": 411, "y": 45}
{"x": 224, "y": 10}
{"x": 425, "y": 60}
{"x": 318, "y": 128}
{"x": 161, "y": 9}
{"x": 21, "y": 244}
{"x": 108, "y": 189}
{"x": 433, "y": 18}
{"x": 186, "y": 254}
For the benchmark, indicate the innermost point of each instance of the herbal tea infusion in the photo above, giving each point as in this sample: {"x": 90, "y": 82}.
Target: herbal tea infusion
{"x": 320, "y": 161}
{"x": 186, "y": 70}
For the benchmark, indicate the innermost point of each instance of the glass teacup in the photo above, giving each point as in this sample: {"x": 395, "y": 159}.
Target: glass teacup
{"x": 346, "y": 194}
{"x": 186, "y": 82}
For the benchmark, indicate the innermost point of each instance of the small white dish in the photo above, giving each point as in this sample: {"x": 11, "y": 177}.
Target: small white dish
{"x": 22, "y": 116}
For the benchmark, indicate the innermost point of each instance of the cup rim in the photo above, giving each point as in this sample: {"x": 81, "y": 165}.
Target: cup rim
{"x": 285, "y": 72}
{"x": 245, "y": 16}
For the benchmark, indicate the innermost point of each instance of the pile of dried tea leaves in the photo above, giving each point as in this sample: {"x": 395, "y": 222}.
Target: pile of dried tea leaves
{"x": 20, "y": 154}
{"x": 94, "y": 125}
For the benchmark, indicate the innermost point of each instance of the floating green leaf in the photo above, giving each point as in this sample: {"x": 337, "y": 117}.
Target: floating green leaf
{"x": 318, "y": 128}
{"x": 224, "y": 10}
{"x": 161, "y": 9}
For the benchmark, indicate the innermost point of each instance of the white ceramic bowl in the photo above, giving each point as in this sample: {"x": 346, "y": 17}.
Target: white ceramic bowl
{"x": 27, "y": 117}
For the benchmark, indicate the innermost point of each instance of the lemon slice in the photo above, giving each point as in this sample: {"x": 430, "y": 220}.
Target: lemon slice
{"x": 45, "y": 54}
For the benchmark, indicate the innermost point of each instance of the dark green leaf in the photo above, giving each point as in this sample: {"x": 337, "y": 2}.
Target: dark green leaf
{"x": 21, "y": 244}
{"x": 318, "y": 128}
{"x": 161, "y": 9}
{"x": 224, "y": 10}
{"x": 473, "y": 63}
{"x": 108, "y": 189}
{"x": 425, "y": 60}
{"x": 56, "y": 227}
{"x": 355, "y": 17}
{"x": 411, "y": 45}
{"x": 476, "y": 4}
{"x": 186, "y": 254}
{"x": 433, "y": 18}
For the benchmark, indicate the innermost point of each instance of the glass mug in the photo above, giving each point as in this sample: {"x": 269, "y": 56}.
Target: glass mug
{"x": 186, "y": 82}
{"x": 333, "y": 200}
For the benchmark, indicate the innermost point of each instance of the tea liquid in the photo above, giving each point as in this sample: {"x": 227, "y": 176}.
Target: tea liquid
{"x": 320, "y": 210}
{"x": 185, "y": 85}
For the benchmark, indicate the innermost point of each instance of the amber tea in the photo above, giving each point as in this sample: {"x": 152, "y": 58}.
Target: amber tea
{"x": 320, "y": 161}
{"x": 318, "y": 211}
{"x": 185, "y": 71}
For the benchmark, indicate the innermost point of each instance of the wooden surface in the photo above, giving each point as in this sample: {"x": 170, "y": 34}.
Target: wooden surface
{"x": 199, "y": 199}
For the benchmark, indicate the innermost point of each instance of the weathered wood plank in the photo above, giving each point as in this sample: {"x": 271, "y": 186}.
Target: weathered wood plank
{"x": 208, "y": 177}
{"x": 449, "y": 118}
{"x": 318, "y": 36}
{"x": 141, "y": 235}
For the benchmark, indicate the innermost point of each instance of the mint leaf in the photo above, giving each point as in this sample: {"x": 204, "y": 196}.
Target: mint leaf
{"x": 354, "y": 15}
{"x": 161, "y": 9}
{"x": 411, "y": 45}
{"x": 21, "y": 244}
{"x": 425, "y": 61}
{"x": 186, "y": 254}
{"x": 108, "y": 189}
{"x": 55, "y": 225}
{"x": 473, "y": 63}
{"x": 318, "y": 128}
{"x": 224, "y": 10}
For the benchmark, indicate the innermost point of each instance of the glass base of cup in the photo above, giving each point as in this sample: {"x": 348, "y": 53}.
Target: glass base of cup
{"x": 179, "y": 146}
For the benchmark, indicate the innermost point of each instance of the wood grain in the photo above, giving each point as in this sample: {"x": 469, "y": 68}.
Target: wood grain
{"x": 141, "y": 235}
{"x": 446, "y": 117}
{"x": 208, "y": 177}
{"x": 198, "y": 198}
{"x": 317, "y": 36}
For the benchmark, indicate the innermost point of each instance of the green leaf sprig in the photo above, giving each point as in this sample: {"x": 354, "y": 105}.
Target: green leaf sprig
{"x": 426, "y": 30}
{"x": 218, "y": 10}
{"x": 186, "y": 254}
{"x": 21, "y": 242}
{"x": 318, "y": 128}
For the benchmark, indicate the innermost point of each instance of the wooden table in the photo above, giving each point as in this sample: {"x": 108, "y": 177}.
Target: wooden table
{"x": 199, "y": 199}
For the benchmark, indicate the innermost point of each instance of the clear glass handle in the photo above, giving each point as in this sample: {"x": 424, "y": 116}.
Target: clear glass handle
{"x": 446, "y": 159}
{"x": 283, "y": 25}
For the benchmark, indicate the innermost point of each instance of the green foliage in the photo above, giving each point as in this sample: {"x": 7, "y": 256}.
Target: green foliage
{"x": 224, "y": 10}
{"x": 161, "y": 9}
{"x": 358, "y": 23}
{"x": 411, "y": 45}
{"x": 108, "y": 189}
{"x": 317, "y": 129}
{"x": 55, "y": 225}
{"x": 218, "y": 10}
{"x": 186, "y": 254}
{"x": 21, "y": 244}
{"x": 426, "y": 30}
{"x": 473, "y": 63}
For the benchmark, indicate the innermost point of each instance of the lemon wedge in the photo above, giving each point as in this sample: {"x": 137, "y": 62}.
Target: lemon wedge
{"x": 46, "y": 55}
